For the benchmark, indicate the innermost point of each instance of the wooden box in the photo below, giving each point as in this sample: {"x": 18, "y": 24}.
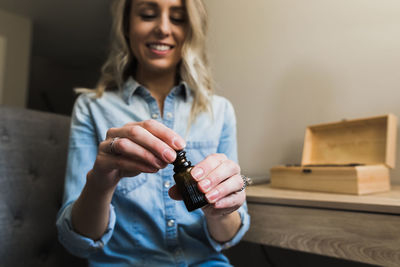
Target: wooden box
{"x": 350, "y": 156}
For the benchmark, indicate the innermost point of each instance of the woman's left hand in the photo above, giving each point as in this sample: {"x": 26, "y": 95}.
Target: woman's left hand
{"x": 220, "y": 180}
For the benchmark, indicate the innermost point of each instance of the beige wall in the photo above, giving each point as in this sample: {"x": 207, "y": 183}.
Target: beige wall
{"x": 17, "y": 31}
{"x": 286, "y": 64}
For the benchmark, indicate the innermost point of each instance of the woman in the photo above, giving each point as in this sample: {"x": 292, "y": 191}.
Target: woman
{"x": 154, "y": 90}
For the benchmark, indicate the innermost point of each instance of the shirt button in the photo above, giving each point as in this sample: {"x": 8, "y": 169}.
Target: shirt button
{"x": 169, "y": 115}
{"x": 171, "y": 223}
{"x": 154, "y": 116}
{"x": 167, "y": 184}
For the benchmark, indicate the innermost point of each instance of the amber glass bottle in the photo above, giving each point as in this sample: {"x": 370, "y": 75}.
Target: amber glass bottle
{"x": 187, "y": 186}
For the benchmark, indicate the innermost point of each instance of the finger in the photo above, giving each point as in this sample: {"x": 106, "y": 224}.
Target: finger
{"x": 207, "y": 165}
{"x": 139, "y": 135}
{"x": 227, "y": 187}
{"x": 164, "y": 133}
{"x": 124, "y": 165}
{"x": 174, "y": 193}
{"x": 232, "y": 201}
{"x": 125, "y": 147}
{"x": 157, "y": 129}
{"x": 225, "y": 170}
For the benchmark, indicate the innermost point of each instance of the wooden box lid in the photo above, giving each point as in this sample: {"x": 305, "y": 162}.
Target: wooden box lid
{"x": 361, "y": 141}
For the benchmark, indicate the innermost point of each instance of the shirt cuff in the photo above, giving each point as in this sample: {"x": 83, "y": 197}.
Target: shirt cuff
{"x": 245, "y": 225}
{"x": 77, "y": 244}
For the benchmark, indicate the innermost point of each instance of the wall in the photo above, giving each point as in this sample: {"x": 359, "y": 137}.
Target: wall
{"x": 51, "y": 84}
{"x": 17, "y": 31}
{"x": 286, "y": 64}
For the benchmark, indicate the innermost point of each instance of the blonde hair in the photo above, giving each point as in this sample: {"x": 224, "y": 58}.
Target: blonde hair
{"x": 193, "y": 69}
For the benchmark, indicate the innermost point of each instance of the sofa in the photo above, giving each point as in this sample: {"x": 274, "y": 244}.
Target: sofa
{"x": 33, "y": 151}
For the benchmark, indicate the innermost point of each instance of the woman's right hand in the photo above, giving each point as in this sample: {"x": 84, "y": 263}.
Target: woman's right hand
{"x": 137, "y": 147}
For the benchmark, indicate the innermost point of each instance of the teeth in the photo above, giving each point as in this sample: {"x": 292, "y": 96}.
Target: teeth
{"x": 160, "y": 47}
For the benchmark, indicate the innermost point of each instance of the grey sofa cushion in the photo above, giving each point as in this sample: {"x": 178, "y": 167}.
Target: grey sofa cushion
{"x": 33, "y": 151}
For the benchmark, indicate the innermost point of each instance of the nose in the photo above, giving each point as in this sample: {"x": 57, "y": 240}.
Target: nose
{"x": 163, "y": 28}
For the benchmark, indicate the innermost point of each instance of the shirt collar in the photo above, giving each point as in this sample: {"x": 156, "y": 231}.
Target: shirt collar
{"x": 132, "y": 87}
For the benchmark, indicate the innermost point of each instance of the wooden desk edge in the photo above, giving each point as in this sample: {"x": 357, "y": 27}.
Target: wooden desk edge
{"x": 387, "y": 202}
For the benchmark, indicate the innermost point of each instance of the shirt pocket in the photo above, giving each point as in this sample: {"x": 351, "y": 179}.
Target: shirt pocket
{"x": 196, "y": 151}
{"x": 129, "y": 184}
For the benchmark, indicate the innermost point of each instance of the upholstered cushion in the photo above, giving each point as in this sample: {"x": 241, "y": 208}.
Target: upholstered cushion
{"x": 33, "y": 150}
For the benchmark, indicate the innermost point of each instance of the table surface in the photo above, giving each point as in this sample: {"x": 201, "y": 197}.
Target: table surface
{"x": 357, "y": 228}
{"x": 387, "y": 202}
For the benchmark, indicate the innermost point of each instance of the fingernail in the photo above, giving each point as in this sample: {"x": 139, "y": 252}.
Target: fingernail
{"x": 213, "y": 195}
{"x": 197, "y": 173}
{"x": 169, "y": 154}
{"x": 219, "y": 203}
{"x": 205, "y": 184}
{"x": 178, "y": 143}
{"x": 159, "y": 163}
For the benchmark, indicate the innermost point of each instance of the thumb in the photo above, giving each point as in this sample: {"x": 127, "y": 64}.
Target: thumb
{"x": 174, "y": 193}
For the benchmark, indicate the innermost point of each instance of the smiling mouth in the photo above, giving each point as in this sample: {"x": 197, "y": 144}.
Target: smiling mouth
{"x": 160, "y": 47}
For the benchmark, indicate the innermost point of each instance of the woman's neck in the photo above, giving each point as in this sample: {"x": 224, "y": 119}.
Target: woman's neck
{"x": 159, "y": 84}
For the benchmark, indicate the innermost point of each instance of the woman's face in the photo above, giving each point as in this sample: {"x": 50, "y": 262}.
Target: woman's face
{"x": 157, "y": 32}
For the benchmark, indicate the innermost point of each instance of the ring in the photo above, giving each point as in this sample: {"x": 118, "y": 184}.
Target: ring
{"x": 246, "y": 181}
{"x": 112, "y": 149}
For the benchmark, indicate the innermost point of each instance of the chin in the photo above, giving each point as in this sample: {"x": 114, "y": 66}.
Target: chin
{"x": 162, "y": 67}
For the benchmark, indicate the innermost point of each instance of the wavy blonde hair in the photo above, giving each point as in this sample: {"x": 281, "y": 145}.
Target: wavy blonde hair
{"x": 193, "y": 68}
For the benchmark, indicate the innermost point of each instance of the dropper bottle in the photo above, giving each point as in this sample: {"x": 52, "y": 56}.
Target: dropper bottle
{"x": 186, "y": 184}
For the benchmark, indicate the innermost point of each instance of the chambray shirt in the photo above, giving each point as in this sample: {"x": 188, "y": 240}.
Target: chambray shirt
{"x": 147, "y": 227}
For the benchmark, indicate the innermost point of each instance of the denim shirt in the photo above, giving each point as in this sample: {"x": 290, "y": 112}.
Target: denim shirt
{"x": 146, "y": 227}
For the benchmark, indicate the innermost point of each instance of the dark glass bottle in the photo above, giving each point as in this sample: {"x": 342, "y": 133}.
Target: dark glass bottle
{"x": 187, "y": 185}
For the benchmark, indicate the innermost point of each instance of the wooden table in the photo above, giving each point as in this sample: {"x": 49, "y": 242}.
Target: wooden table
{"x": 358, "y": 228}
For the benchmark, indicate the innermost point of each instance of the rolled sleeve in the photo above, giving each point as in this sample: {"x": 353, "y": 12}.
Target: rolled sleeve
{"x": 82, "y": 153}
{"x": 77, "y": 244}
{"x": 244, "y": 227}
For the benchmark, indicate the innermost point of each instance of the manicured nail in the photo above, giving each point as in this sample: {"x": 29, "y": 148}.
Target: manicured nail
{"x": 178, "y": 143}
{"x": 169, "y": 154}
{"x": 197, "y": 173}
{"x": 205, "y": 184}
{"x": 213, "y": 195}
